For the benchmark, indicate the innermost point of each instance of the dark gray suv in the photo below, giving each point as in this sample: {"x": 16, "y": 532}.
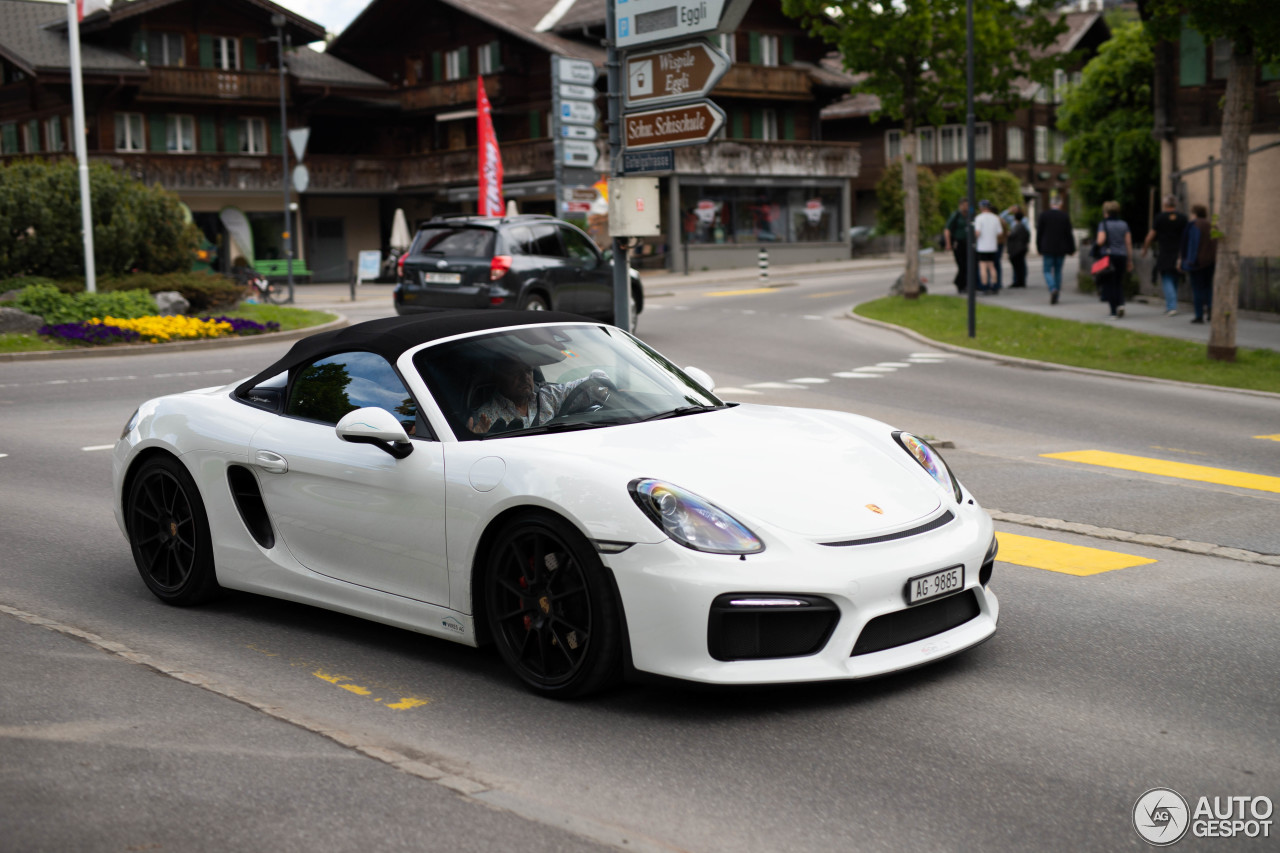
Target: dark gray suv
{"x": 527, "y": 261}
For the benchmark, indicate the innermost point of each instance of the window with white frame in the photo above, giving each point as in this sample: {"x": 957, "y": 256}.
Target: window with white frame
{"x": 226, "y": 53}
{"x": 1042, "y": 95}
{"x": 453, "y": 64}
{"x": 1059, "y": 85}
{"x": 892, "y": 145}
{"x": 31, "y": 136}
{"x": 926, "y": 145}
{"x": 729, "y": 45}
{"x": 53, "y": 134}
{"x": 768, "y": 50}
{"x": 489, "y": 57}
{"x": 769, "y": 125}
{"x": 1042, "y": 144}
{"x": 1015, "y": 142}
{"x": 252, "y": 135}
{"x": 981, "y": 142}
{"x": 951, "y": 147}
{"x": 1057, "y": 145}
{"x": 180, "y": 134}
{"x": 129, "y": 132}
{"x": 165, "y": 49}
{"x": 1077, "y": 77}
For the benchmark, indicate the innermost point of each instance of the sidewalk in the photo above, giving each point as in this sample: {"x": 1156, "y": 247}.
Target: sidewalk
{"x": 1144, "y": 314}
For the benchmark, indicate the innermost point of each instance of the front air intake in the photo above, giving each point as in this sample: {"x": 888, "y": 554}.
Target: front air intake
{"x": 759, "y": 626}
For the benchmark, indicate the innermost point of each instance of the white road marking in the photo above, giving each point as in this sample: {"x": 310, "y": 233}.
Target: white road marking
{"x": 812, "y": 317}
{"x": 926, "y": 361}
{"x": 84, "y": 380}
{"x": 780, "y": 385}
{"x": 875, "y": 369}
{"x": 893, "y": 364}
{"x": 3, "y": 455}
{"x": 746, "y": 392}
{"x": 93, "y": 447}
{"x": 847, "y": 374}
{"x": 810, "y": 380}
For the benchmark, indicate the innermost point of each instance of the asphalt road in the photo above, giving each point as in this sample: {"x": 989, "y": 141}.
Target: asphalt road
{"x": 1095, "y": 689}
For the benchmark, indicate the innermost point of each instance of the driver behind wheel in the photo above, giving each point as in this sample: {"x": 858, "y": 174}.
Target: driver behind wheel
{"x": 519, "y": 402}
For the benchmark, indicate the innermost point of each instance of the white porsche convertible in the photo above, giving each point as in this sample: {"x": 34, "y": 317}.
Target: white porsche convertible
{"x": 557, "y": 488}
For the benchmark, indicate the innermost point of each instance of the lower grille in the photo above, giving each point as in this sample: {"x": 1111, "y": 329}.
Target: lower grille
{"x": 759, "y": 627}
{"x": 916, "y": 623}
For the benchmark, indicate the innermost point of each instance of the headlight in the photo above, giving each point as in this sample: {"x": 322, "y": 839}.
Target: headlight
{"x": 931, "y": 461}
{"x": 692, "y": 521}
{"x": 131, "y": 423}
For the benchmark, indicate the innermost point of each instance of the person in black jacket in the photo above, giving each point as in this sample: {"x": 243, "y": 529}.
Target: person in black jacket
{"x": 1054, "y": 241}
{"x": 1017, "y": 244}
{"x": 1198, "y": 257}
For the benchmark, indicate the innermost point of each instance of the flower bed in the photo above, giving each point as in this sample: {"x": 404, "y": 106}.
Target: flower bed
{"x": 153, "y": 329}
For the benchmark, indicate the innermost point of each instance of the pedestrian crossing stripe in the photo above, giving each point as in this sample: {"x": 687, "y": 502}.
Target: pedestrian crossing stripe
{"x": 1165, "y": 468}
{"x": 1060, "y": 557}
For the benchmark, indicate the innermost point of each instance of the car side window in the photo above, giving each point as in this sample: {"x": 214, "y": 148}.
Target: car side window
{"x": 519, "y": 241}
{"x": 579, "y": 247}
{"x": 546, "y": 241}
{"x": 328, "y": 388}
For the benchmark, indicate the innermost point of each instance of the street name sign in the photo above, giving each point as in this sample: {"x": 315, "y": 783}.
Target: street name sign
{"x": 642, "y": 22}
{"x": 580, "y": 153}
{"x": 578, "y": 131}
{"x": 681, "y": 72}
{"x": 578, "y": 71}
{"x": 656, "y": 160}
{"x": 686, "y": 124}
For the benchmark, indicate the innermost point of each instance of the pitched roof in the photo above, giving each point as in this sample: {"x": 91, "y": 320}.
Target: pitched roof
{"x": 299, "y": 28}
{"x": 33, "y": 36}
{"x": 313, "y": 66}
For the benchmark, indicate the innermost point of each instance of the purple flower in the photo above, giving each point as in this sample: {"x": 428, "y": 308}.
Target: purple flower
{"x": 240, "y": 326}
{"x": 89, "y": 333}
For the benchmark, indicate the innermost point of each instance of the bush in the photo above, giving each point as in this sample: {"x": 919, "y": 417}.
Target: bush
{"x": 891, "y": 212}
{"x": 1001, "y": 188}
{"x": 204, "y": 291}
{"x": 57, "y": 307}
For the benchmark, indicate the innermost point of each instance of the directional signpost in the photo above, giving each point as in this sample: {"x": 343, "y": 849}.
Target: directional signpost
{"x": 642, "y": 22}
{"x": 686, "y": 124}
{"x": 673, "y": 74}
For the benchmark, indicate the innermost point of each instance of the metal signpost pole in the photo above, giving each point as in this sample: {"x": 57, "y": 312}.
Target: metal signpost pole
{"x": 82, "y": 155}
{"x": 621, "y": 280}
{"x": 971, "y": 255}
{"x": 278, "y": 20}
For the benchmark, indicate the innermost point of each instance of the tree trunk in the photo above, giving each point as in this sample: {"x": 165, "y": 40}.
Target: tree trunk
{"x": 1237, "y": 121}
{"x": 911, "y": 214}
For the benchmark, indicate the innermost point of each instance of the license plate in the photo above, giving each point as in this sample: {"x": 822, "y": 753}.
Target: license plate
{"x": 442, "y": 277}
{"x": 935, "y": 584}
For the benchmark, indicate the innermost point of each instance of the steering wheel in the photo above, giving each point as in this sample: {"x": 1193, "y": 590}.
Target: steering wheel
{"x": 579, "y": 399}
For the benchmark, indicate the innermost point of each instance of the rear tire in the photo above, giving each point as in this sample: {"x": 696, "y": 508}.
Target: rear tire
{"x": 535, "y": 302}
{"x": 550, "y": 609}
{"x": 169, "y": 533}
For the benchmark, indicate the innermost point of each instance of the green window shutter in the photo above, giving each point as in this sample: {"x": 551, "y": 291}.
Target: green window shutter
{"x": 789, "y": 125}
{"x": 1271, "y": 72}
{"x": 535, "y": 124}
{"x": 754, "y": 39}
{"x": 206, "y": 51}
{"x": 736, "y": 130}
{"x": 9, "y": 138}
{"x": 208, "y": 135}
{"x": 437, "y": 66}
{"x": 249, "y": 62}
{"x": 158, "y": 132}
{"x": 788, "y": 49}
{"x": 495, "y": 55}
{"x": 757, "y": 124}
{"x": 464, "y": 63}
{"x": 138, "y": 44}
{"x": 275, "y": 137}
{"x": 1191, "y": 59}
{"x": 231, "y": 136}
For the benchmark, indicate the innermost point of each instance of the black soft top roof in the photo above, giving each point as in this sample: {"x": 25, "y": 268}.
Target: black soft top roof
{"x": 389, "y": 337}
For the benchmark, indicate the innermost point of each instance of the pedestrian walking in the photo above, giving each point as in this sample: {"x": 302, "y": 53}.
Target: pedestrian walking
{"x": 1198, "y": 255}
{"x": 1018, "y": 243}
{"x": 987, "y": 230}
{"x": 1114, "y": 244}
{"x": 1166, "y": 232}
{"x": 956, "y": 240}
{"x": 1055, "y": 239}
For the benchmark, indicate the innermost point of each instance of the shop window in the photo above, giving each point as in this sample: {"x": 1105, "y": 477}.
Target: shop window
{"x": 129, "y": 134}
{"x": 717, "y": 214}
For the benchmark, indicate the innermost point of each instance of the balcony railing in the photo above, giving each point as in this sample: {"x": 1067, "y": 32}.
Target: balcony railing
{"x": 213, "y": 83}
{"x": 442, "y": 168}
{"x": 758, "y": 158}
{"x": 452, "y": 93}
{"x": 779, "y": 82}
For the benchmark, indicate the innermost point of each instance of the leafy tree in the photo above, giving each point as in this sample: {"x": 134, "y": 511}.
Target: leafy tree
{"x": 1254, "y": 30}
{"x": 134, "y": 226}
{"x": 1001, "y": 187}
{"x": 890, "y": 216}
{"x": 912, "y": 55}
{"x": 1110, "y": 150}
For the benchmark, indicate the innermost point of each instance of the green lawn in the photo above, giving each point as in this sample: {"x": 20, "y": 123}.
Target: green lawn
{"x": 1095, "y": 345}
{"x": 288, "y": 318}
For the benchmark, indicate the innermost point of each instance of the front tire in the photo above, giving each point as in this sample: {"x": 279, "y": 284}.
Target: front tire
{"x": 550, "y": 609}
{"x": 535, "y": 302}
{"x": 169, "y": 533}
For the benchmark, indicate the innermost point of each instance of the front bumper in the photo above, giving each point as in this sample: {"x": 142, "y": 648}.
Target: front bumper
{"x": 670, "y": 593}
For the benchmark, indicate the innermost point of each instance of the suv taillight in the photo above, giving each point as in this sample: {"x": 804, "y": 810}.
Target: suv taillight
{"x": 499, "y": 266}
{"x": 400, "y": 265}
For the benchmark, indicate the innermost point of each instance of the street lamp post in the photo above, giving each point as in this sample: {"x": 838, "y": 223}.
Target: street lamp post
{"x": 277, "y": 20}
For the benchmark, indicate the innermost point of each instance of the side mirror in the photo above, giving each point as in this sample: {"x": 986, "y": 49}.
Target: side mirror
{"x": 375, "y": 426}
{"x": 700, "y": 376}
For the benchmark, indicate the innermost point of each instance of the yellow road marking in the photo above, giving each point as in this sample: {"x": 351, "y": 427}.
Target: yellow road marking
{"x": 828, "y": 293}
{"x": 405, "y": 703}
{"x": 1061, "y": 557}
{"x": 742, "y": 292}
{"x": 1163, "y": 468}
{"x": 1275, "y": 437}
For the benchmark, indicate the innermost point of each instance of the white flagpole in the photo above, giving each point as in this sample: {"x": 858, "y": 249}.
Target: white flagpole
{"x": 82, "y": 155}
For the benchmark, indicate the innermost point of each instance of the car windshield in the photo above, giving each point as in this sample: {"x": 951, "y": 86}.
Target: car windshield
{"x": 539, "y": 379}
{"x": 454, "y": 241}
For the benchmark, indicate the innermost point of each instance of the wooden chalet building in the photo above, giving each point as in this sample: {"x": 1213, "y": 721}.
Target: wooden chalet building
{"x": 1028, "y": 144}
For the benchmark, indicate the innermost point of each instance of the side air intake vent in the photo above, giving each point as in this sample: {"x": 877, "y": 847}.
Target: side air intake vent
{"x": 248, "y": 497}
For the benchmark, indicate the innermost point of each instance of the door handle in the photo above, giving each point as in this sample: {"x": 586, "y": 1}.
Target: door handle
{"x": 271, "y": 461}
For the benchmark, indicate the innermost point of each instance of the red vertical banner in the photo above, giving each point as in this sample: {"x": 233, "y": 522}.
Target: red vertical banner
{"x": 490, "y": 201}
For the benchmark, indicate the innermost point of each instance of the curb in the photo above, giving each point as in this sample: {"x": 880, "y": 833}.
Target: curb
{"x": 179, "y": 346}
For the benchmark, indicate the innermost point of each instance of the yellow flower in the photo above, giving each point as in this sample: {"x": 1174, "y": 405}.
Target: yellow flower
{"x": 157, "y": 329}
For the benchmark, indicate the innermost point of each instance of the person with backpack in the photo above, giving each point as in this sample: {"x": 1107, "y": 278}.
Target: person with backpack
{"x": 1114, "y": 246}
{"x": 1198, "y": 256}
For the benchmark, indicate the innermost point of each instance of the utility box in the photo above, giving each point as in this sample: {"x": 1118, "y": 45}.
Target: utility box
{"x": 634, "y": 207}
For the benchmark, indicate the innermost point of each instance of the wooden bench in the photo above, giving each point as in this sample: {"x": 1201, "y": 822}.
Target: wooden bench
{"x": 278, "y": 268}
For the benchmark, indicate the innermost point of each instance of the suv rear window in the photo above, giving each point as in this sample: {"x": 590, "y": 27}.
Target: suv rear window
{"x": 454, "y": 241}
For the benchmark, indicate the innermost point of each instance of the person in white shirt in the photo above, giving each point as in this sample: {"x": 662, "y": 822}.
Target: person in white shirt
{"x": 987, "y": 229}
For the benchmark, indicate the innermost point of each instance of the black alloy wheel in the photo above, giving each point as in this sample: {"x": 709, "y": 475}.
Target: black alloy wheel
{"x": 551, "y": 611}
{"x": 169, "y": 532}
